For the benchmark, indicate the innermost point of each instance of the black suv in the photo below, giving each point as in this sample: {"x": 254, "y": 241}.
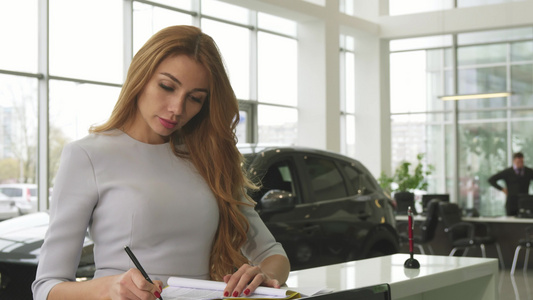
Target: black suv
{"x": 323, "y": 207}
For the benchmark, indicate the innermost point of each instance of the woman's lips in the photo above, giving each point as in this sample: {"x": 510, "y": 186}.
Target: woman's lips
{"x": 167, "y": 123}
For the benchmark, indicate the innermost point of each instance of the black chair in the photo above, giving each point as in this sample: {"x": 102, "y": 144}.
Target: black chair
{"x": 525, "y": 206}
{"x": 404, "y": 200}
{"x": 426, "y": 230}
{"x": 463, "y": 234}
{"x": 428, "y": 197}
{"x": 527, "y": 243}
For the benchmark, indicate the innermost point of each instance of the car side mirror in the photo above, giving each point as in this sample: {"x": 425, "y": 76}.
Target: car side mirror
{"x": 277, "y": 201}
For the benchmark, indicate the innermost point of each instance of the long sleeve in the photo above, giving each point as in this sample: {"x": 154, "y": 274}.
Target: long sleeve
{"x": 260, "y": 242}
{"x": 73, "y": 201}
{"x": 493, "y": 180}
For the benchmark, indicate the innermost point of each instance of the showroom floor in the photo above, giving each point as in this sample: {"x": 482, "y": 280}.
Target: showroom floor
{"x": 517, "y": 287}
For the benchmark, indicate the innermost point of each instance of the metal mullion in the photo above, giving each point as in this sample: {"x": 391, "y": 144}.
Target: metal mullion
{"x": 254, "y": 81}
{"x": 192, "y": 13}
{"x": 24, "y": 74}
{"x": 277, "y": 33}
{"x": 443, "y": 122}
{"x": 483, "y": 121}
{"x": 508, "y": 102}
{"x": 82, "y": 81}
{"x": 495, "y": 43}
{"x": 43, "y": 105}
{"x": 251, "y": 27}
{"x": 455, "y": 125}
{"x": 127, "y": 37}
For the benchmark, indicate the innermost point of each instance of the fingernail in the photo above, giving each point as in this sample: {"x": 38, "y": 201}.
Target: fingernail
{"x": 157, "y": 295}
{"x": 246, "y": 292}
{"x": 235, "y": 294}
{"x": 226, "y": 293}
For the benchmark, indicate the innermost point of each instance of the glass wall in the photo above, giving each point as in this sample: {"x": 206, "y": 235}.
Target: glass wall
{"x": 471, "y": 139}
{"x": 75, "y": 69}
{"x": 18, "y": 92}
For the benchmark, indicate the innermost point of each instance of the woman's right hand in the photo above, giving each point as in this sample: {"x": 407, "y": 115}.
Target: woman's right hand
{"x": 133, "y": 285}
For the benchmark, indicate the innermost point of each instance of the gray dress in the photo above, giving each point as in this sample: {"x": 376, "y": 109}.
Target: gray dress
{"x": 130, "y": 193}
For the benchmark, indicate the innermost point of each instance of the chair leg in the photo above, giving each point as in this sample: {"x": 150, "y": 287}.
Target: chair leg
{"x": 431, "y": 250}
{"x": 421, "y": 248}
{"x": 516, "y": 252}
{"x": 452, "y": 253}
{"x": 483, "y": 251}
{"x": 526, "y": 259}
{"x": 500, "y": 255}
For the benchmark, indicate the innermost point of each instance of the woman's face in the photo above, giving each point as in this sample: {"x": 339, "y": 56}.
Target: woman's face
{"x": 173, "y": 96}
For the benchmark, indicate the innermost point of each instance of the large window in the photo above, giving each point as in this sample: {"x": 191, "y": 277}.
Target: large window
{"x": 467, "y": 140}
{"x": 65, "y": 74}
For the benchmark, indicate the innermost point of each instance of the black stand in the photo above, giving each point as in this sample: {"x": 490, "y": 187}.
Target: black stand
{"x": 411, "y": 263}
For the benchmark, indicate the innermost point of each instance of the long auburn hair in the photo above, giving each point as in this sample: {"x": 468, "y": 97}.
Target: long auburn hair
{"x": 209, "y": 136}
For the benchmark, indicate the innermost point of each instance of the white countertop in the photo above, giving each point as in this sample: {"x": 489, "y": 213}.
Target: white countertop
{"x": 435, "y": 272}
{"x": 499, "y": 219}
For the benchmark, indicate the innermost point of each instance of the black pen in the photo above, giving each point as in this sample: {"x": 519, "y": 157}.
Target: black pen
{"x": 138, "y": 265}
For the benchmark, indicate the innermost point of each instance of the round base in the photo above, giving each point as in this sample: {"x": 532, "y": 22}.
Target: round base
{"x": 411, "y": 263}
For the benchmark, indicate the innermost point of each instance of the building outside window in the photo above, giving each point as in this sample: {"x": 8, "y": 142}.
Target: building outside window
{"x": 471, "y": 139}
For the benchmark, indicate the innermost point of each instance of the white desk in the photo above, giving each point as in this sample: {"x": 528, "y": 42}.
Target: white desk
{"x": 439, "y": 277}
{"x": 500, "y": 219}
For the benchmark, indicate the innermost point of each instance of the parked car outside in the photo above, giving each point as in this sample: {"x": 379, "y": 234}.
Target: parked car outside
{"x": 8, "y": 209}
{"x": 323, "y": 207}
{"x": 24, "y": 195}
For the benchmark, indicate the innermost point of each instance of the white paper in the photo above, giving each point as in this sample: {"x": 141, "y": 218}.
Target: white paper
{"x": 187, "y": 289}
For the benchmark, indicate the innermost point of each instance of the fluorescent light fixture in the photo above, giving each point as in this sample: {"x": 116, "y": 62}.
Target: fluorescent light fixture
{"x": 475, "y": 96}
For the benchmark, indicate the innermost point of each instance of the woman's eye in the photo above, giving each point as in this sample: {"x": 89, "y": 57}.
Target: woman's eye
{"x": 166, "y": 87}
{"x": 197, "y": 99}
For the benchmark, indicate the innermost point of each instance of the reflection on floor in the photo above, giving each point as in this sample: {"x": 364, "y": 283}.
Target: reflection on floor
{"x": 517, "y": 287}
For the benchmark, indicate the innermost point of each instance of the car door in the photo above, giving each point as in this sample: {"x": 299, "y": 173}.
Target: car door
{"x": 289, "y": 225}
{"x": 324, "y": 204}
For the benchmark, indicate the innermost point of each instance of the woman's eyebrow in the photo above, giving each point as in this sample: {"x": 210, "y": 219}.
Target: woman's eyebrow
{"x": 179, "y": 82}
{"x": 171, "y": 77}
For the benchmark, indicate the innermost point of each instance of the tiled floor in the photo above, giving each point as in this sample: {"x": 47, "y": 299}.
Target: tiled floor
{"x": 517, "y": 287}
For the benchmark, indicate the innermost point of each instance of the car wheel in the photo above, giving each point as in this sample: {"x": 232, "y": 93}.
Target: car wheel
{"x": 380, "y": 242}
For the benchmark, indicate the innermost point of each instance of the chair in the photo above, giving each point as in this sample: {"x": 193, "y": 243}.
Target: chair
{"x": 527, "y": 243}
{"x": 525, "y": 206}
{"x": 404, "y": 200}
{"x": 463, "y": 234}
{"x": 426, "y": 229}
{"x": 428, "y": 197}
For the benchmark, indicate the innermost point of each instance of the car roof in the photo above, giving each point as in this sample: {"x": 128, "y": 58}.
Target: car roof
{"x": 19, "y": 185}
{"x": 267, "y": 151}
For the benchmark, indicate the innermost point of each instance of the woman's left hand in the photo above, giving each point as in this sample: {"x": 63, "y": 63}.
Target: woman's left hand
{"x": 246, "y": 280}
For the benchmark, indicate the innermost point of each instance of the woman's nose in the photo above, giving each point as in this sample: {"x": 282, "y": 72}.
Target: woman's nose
{"x": 177, "y": 105}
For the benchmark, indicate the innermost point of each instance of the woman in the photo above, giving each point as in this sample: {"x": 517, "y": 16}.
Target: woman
{"x": 162, "y": 176}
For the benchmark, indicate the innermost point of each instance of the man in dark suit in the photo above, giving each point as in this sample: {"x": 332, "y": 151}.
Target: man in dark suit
{"x": 517, "y": 179}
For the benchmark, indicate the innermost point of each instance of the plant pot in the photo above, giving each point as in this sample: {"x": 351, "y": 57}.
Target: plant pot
{"x": 403, "y": 201}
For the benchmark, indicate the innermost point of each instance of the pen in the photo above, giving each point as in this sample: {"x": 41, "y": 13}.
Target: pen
{"x": 138, "y": 265}
{"x": 410, "y": 230}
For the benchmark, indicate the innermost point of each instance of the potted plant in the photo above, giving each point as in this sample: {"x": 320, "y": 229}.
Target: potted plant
{"x": 404, "y": 181}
